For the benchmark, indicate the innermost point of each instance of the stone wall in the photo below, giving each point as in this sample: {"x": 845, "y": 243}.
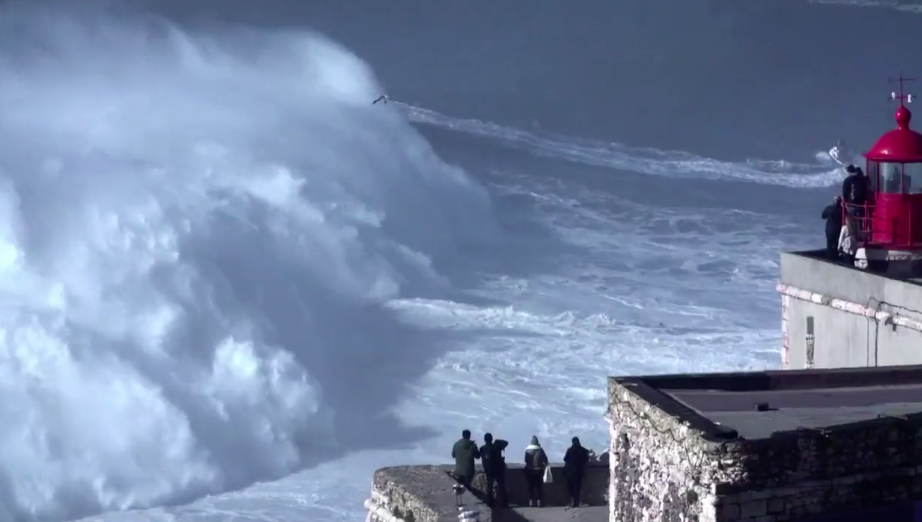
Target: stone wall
{"x": 660, "y": 468}
{"x": 413, "y": 494}
{"x": 424, "y": 493}
{"x": 663, "y": 469}
{"x": 798, "y": 475}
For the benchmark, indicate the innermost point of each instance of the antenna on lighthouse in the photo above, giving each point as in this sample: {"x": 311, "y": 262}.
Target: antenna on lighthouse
{"x": 908, "y": 98}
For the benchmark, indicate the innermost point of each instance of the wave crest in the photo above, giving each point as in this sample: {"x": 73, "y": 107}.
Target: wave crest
{"x": 645, "y": 160}
{"x": 195, "y": 234}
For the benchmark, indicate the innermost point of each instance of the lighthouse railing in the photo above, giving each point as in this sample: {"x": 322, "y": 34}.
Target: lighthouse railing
{"x": 878, "y": 230}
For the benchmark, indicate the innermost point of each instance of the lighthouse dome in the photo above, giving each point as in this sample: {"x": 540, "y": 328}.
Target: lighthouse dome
{"x": 901, "y": 145}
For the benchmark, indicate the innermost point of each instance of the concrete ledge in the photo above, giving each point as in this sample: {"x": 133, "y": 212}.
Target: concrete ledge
{"x": 872, "y": 312}
{"x": 424, "y": 494}
{"x": 416, "y": 493}
{"x": 811, "y": 271}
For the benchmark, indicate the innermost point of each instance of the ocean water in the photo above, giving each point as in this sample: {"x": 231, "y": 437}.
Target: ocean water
{"x": 233, "y": 288}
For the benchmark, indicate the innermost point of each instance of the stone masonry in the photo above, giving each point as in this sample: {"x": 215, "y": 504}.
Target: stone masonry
{"x": 660, "y": 469}
{"x": 665, "y": 469}
{"x": 425, "y": 494}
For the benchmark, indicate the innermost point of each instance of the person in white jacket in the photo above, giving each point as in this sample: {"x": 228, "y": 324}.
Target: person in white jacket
{"x": 535, "y": 462}
{"x": 848, "y": 243}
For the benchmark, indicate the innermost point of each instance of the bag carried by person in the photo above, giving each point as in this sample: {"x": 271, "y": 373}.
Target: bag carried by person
{"x": 469, "y": 515}
{"x": 548, "y": 476}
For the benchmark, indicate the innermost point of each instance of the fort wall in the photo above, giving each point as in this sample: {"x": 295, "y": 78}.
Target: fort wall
{"x": 668, "y": 464}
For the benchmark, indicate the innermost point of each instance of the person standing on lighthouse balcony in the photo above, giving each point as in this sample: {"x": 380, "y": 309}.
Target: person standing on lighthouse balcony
{"x": 855, "y": 191}
{"x": 833, "y": 216}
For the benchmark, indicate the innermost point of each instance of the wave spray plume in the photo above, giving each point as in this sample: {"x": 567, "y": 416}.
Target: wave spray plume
{"x": 197, "y": 233}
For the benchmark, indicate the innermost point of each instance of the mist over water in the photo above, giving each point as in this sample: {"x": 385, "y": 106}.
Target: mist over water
{"x": 196, "y": 236}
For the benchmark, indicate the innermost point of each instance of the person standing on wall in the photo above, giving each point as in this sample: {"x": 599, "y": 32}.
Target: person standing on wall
{"x": 574, "y": 465}
{"x": 494, "y": 466}
{"x": 535, "y": 462}
{"x": 464, "y": 452}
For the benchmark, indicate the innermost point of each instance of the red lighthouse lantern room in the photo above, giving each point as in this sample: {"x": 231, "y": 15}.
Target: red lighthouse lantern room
{"x": 893, "y": 227}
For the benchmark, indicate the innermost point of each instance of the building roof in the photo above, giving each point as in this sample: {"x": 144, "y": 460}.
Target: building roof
{"x": 901, "y": 144}
{"x": 754, "y": 405}
{"x": 913, "y": 278}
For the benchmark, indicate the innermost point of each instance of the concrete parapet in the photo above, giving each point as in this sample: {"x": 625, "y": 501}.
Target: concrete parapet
{"x": 836, "y": 316}
{"x": 424, "y": 494}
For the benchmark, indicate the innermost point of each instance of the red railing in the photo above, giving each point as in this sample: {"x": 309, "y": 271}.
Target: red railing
{"x": 861, "y": 217}
{"x": 887, "y": 226}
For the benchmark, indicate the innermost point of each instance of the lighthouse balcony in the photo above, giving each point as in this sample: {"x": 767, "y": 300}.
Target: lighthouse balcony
{"x": 892, "y": 219}
{"x": 891, "y": 225}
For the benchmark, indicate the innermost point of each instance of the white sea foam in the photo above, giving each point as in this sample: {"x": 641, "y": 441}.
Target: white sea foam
{"x": 195, "y": 237}
{"x": 646, "y": 290}
{"x": 905, "y": 7}
{"x": 677, "y": 164}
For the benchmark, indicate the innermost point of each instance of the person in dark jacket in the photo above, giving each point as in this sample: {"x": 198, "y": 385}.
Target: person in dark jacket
{"x": 855, "y": 191}
{"x": 465, "y": 451}
{"x": 833, "y": 216}
{"x": 494, "y": 467}
{"x": 535, "y": 462}
{"x": 574, "y": 464}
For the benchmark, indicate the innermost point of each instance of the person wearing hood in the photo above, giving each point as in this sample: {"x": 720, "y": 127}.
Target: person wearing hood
{"x": 494, "y": 467}
{"x": 464, "y": 452}
{"x": 535, "y": 462}
{"x": 855, "y": 191}
{"x": 574, "y": 464}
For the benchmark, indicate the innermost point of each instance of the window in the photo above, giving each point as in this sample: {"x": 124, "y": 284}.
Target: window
{"x": 912, "y": 173}
{"x": 899, "y": 178}
{"x": 873, "y": 171}
{"x": 890, "y": 178}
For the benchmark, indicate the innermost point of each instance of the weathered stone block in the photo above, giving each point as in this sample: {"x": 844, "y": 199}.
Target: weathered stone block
{"x": 761, "y": 495}
{"x": 729, "y": 512}
{"x": 776, "y": 505}
{"x": 754, "y": 508}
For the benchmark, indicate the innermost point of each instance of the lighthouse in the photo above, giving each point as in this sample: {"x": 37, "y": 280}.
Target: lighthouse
{"x": 838, "y": 315}
{"x": 891, "y": 222}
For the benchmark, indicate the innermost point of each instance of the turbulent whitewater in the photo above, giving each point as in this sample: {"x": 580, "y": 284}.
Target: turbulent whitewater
{"x": 187, "y": 226}
{"x": 226, "y": 272}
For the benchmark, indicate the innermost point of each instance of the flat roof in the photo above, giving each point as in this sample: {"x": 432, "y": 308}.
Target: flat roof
{"x": 727, "y": 405}
{"x": 820, "y": 255}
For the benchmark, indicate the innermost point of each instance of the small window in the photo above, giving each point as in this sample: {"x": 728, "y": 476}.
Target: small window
{"x": 872, "y": 173}
{"x": 891, "y": 178}
{"x": 912, "y": 173}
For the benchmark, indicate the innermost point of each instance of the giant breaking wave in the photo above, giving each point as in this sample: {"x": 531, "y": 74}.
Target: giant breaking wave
{"x": 196, "y": 234}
